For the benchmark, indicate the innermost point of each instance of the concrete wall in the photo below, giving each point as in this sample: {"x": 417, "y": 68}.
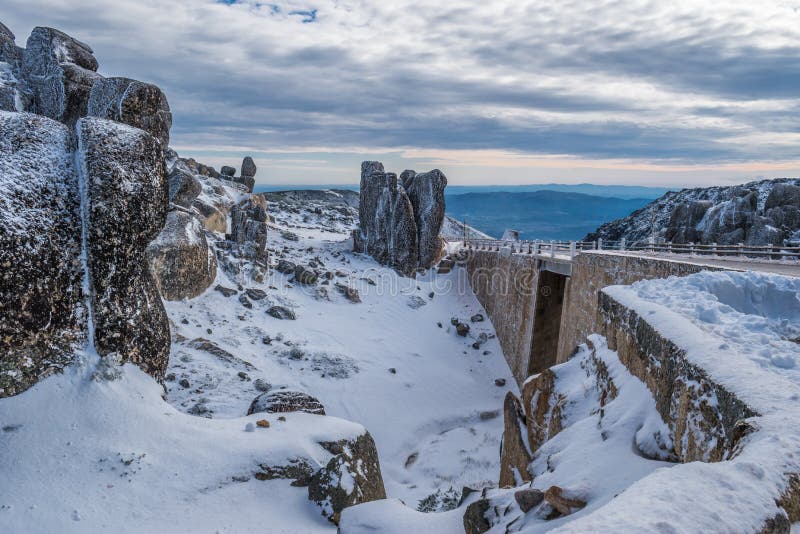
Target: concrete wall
{"x": 593, "y": 271}
{"x": 506, "y": 287}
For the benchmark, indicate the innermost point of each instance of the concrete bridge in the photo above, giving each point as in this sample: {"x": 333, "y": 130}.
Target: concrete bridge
{"x": 543, "y": 297}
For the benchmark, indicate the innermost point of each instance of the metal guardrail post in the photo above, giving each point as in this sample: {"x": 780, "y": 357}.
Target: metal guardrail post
{"x": 622, "y": 244}
{"x": 714, "y": 249}
{"x": 599, "y": 243}
{"x": 740, "y": 247}
{"x": 691, "y": 249}
{"x": 552, "y": 249}
{"x": 572, "y": 250}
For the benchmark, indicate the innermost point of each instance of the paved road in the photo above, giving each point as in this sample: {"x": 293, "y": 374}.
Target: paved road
{"x": 736, "y": 264}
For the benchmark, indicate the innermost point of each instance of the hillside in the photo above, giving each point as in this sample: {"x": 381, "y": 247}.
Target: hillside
{"x": 761, "y": 212}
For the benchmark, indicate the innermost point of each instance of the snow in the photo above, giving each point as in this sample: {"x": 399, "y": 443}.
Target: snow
{"x": 85, "y": 454}
{"x": 738, "y": 326}
{"x": 441, "y": 402}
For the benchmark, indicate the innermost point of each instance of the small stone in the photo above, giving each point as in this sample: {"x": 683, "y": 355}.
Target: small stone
{"x": 393, "y": 370}
{"x": 439, "y": 324}
{"x": 454, "y": 321}
{"x": 282, "y": 419}
{"x": 431, "y": 295}
{"x": 184, "y": 321}
{"x": 184, "y": 383}
{"x": 256, "y": 294}
{"x": 170, "y": 377}
{"x": 500, "y": 382}
{"x": 462, "y": 329}
{"x": 244, "y": 376}
{"x": 477, "y": 318}
{"x": 528, "y": 498}
{"x": 249, "y": 427}
{"x": 263, "y": 423}
{"x": 227, "y": 291}
{"x": 245, "y": 301}
{"x": 209, "y": 331}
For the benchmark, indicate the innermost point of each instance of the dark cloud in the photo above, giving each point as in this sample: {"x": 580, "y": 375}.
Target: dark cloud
{"x": 607, "y": 79}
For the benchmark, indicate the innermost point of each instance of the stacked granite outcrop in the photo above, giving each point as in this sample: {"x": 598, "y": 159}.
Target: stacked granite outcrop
{"x": 400, "y": 219}
{"x": 83, "y": 190}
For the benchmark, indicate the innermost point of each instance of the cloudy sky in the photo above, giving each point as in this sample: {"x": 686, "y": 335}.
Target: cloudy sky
{"x": 618, "y": 91}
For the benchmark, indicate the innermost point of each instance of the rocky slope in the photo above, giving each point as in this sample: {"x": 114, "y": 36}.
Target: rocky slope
{"x": 766, "y": 212}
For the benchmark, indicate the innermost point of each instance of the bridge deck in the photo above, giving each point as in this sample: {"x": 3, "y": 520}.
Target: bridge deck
{"x": 723, "y": 262}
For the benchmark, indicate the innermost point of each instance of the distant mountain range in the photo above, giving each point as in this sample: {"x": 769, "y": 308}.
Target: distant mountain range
{"x": 615, "y": 191}
{"x": 539, "y": 214}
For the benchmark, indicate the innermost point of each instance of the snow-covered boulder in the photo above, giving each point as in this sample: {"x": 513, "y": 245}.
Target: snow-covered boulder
{"x": 249, "y": 226}
{"x": 180, "y": 260}
{"x": 352, "y": 476}
{"x": 184, "y": 187}
{"x": 132, "y": 102}
{"x": 127, "y": 195}
{"x": 514, "y": 453}
{"x": 41, "y": 313}
{"x": 286, "y": 401}
{"x": 60, "y": 72}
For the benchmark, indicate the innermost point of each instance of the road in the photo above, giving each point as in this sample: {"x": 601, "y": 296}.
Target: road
{"x": 733, "y": 263}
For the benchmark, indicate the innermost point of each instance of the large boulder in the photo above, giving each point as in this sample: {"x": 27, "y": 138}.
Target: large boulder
{"x": 426, "y": 192}
{"x": 138, "y": 104}
{"x": 181, "y": 262}
{"x": 42, "y": 317}
{"x": 213, "y": 219}
{"x": 60, "y": 72}
{"x": 352, "y": 476}
{"x": 727, "y": 223}
{"x": 127, "y": 192}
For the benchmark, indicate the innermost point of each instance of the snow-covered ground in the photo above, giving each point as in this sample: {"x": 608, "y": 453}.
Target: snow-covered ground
{"x": 79, "y": 454}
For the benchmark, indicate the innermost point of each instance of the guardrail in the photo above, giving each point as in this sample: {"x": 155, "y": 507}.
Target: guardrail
{"x": 571, "y": 248}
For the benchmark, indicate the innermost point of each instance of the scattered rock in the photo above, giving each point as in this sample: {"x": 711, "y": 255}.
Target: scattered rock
{"x": 289, "y": 236}
{"x": 415, "y": 302}
{"x": 350, "y": 293}
{"x": 514, "y": 454}
{"x": 562, "y": 504}
{"x": 285, "y": 267}
{"x": 141, "y": 105}
{"x": 500, "y": 382}
{"x": 262, "y": 423}
{"x": 528, "y": 498}
{"x": 184, "y": 383}
{"x": 256, "y": 294}
{"x": 462, "y": 329}
{"x": 477, "y": 318}
{"x": 305, "y": 275}
{"x": 245, "y": 301}
{"x": 227, "y": 291}
{"x": 262, "y": 385}
{"x": 281, "y": 312}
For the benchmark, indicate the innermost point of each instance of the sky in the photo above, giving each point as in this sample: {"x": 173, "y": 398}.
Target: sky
{"x": 678, "y": 93}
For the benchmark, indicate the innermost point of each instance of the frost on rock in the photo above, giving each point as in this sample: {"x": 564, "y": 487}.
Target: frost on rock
{"x": 41, "y": 313}
{"x": 400, "y": 227}
{"x": 14, "y": 95}
{"x": 128, "y": 199}
{"x": 139, "y": 104}
{"x": 60, "y": 72}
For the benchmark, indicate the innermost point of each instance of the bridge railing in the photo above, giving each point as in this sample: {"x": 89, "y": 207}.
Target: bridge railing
{"x": 571, "y": 248}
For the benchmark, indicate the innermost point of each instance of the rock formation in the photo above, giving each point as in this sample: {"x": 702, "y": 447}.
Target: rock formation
{"x": 81, "y": 199}
{"x": 399, "y": 222}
